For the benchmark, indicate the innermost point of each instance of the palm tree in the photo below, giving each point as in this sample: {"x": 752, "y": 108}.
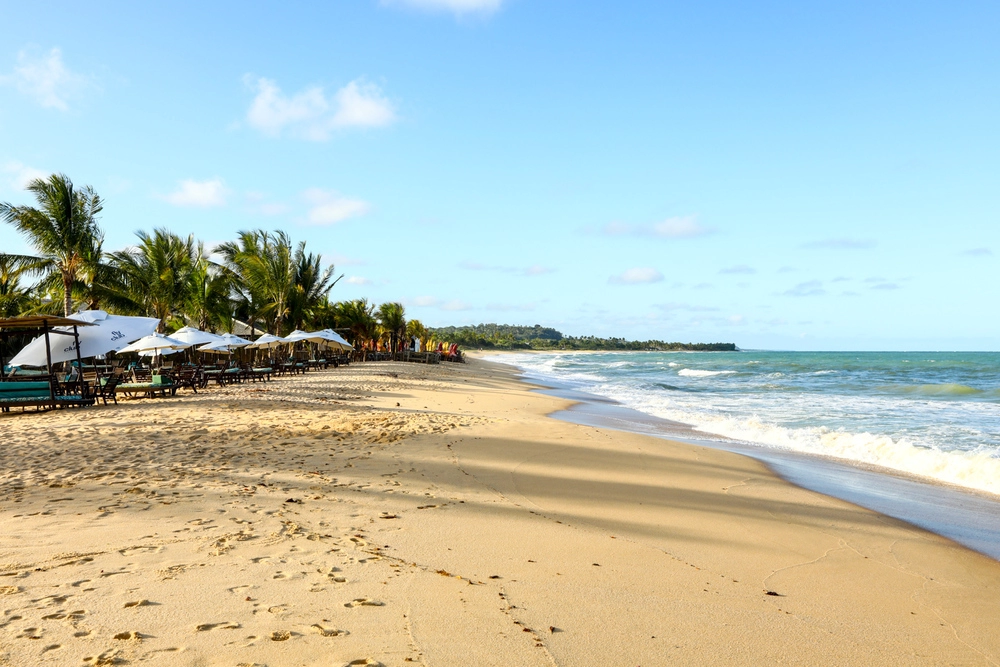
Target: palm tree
{"x": 208, "y": 305}
{"x": 392, "y": 318}
{"x": 157, "y": 273}
{"x": 358, "y": 318}
{"x": 416, "y": 329}
{"x": 261, "y": 268}
{"x": 310, "y": 287}
{"x": 63, "y": 229}
{"x": 15, "y": 299}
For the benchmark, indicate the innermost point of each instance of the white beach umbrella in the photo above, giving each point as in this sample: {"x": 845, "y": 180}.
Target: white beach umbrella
{"x": 225, "y": 344}
{"x": 154, "y": 342}
{"x": 298, "y": 335}
{"x": 195, "y": 336}
{"x": 268, "y": 341}
{"x": 110, "y": 333}
{"x": 338, "y": 339}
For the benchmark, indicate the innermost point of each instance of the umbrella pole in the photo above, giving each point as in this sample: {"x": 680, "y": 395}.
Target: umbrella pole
{"x": 79, "y": 363}
{"x": 48, "y": 363}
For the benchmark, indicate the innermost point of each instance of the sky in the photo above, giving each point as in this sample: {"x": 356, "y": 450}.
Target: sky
{"x": 780, "y": 175}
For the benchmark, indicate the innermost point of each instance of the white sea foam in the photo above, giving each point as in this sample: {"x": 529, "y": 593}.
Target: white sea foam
{"x": 700, "y": 373}
{"x": 942, "y": 431}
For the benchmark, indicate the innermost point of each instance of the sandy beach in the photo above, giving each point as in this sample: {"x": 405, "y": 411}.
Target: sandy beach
{"x": 393, "y": 514}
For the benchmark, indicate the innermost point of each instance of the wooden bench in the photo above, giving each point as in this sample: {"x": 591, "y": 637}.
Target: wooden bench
{"x": 27, "y": 393}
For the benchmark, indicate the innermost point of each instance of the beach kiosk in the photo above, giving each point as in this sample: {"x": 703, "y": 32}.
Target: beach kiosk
{"x": 40, "y": 389}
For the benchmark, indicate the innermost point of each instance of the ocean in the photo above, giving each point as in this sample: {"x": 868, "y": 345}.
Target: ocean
{"x": 932, "y": 416}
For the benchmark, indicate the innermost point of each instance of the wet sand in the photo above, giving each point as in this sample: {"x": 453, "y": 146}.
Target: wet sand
{"x": 407, "y": 514}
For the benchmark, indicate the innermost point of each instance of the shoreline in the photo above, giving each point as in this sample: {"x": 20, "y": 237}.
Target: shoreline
{"x": 402, "y": 513}
{"x": 967, "y": 516}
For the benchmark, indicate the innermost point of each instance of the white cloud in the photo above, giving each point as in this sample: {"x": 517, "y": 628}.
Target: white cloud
{"x": 311, "y": 114}
{"x": 637, "y": 277}
{"x": 329, "y": 207}
{"x": 537, "y": 270}
{"x": 742, "y": 269}
{"x": 199, "y": 194}
{"x": 433, "y": 302}
{"x": 45, "y": 79}
{"x": 809, "y": 288}
{"x": 841, "y": 244}
{"x": 456, "y": 6}
{"x": 257, "y": 203}
{"x": 978, "y": 252}
{"x": 344, "y": 260}
{"x": 678, "y": 227}
{"x": 533, "y": 270}
{"x": 358, "y": 280}
{"x": 21, "y": 174}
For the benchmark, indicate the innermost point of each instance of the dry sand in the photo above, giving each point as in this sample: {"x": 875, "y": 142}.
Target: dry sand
{"x": 433, "y": 515}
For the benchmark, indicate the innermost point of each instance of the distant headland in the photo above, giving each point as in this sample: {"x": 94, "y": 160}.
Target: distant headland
{"x": 537, "y": 337}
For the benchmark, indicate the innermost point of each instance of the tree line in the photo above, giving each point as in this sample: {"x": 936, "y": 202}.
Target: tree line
{"x": 261, "y": 278}
{"x": 513, "y": 337}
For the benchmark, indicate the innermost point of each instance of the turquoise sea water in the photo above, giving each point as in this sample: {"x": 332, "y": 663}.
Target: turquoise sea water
{"x": 932, "y": 414}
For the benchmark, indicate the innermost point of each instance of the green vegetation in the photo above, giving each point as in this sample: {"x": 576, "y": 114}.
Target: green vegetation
{"x": 263, "y": 280}
{"x": 510, "y": 337}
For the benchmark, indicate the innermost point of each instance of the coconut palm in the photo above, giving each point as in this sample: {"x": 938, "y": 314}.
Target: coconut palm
{"x": 208, "y": 306}
{"x": 15, "y": 298}
{"x": 393, "y": 320}
{"x": 310, "y": 287}
{"x": 358, "y": 318}
{"x": 260, "y": 265}
{"x": 416, "y": 329}
{"x": 157, "y": 273}
{"x": 63, "y": 229}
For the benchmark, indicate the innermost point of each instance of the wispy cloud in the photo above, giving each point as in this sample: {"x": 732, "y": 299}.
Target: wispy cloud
{"x": 809, "y": 288}
{"x": 673, "y": 306}
{"x": 455, "y": 6}
{"x": 534, "y": 270}
{"x": 840, "y": 244}
{"x": 358, "y": 280}
{"x": 681, "y": 227}
{"x": 46, "y": 79}
{"x": 312, "y": 114}
{"x": 637, "y": 276}
{"x": 20, "y": 175}
{"x": 344, "y": 260}
{"x": 199, "y": 194}
{"x": 328, "y": 207}
{"x": 978, "y": 252}
{"x": 257, "y": 203}
{"x": 742, "y": 269}
{"x": 508, "y": 307}
{"x": 434, "y": 302}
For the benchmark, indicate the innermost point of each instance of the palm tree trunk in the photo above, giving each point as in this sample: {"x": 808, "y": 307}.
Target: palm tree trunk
{"x": 67, "y": 295}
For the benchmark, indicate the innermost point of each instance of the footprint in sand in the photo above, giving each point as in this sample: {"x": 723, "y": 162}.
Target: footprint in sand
{"x": 10, "y": 590}
{"x": 225, "y": 625}
{"x": 125, "y": 636}
{"x": 364, "y": 602}
{"x": 109, "y": 657}
{"x": 138, "y": 603}
{"x": 280, "y": 636}
{"x": 364, "y": 661}
{"x": 328, "y": 632}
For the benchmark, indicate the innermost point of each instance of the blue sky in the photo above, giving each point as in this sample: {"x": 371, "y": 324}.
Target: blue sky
{"x": 779, "y": 175}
